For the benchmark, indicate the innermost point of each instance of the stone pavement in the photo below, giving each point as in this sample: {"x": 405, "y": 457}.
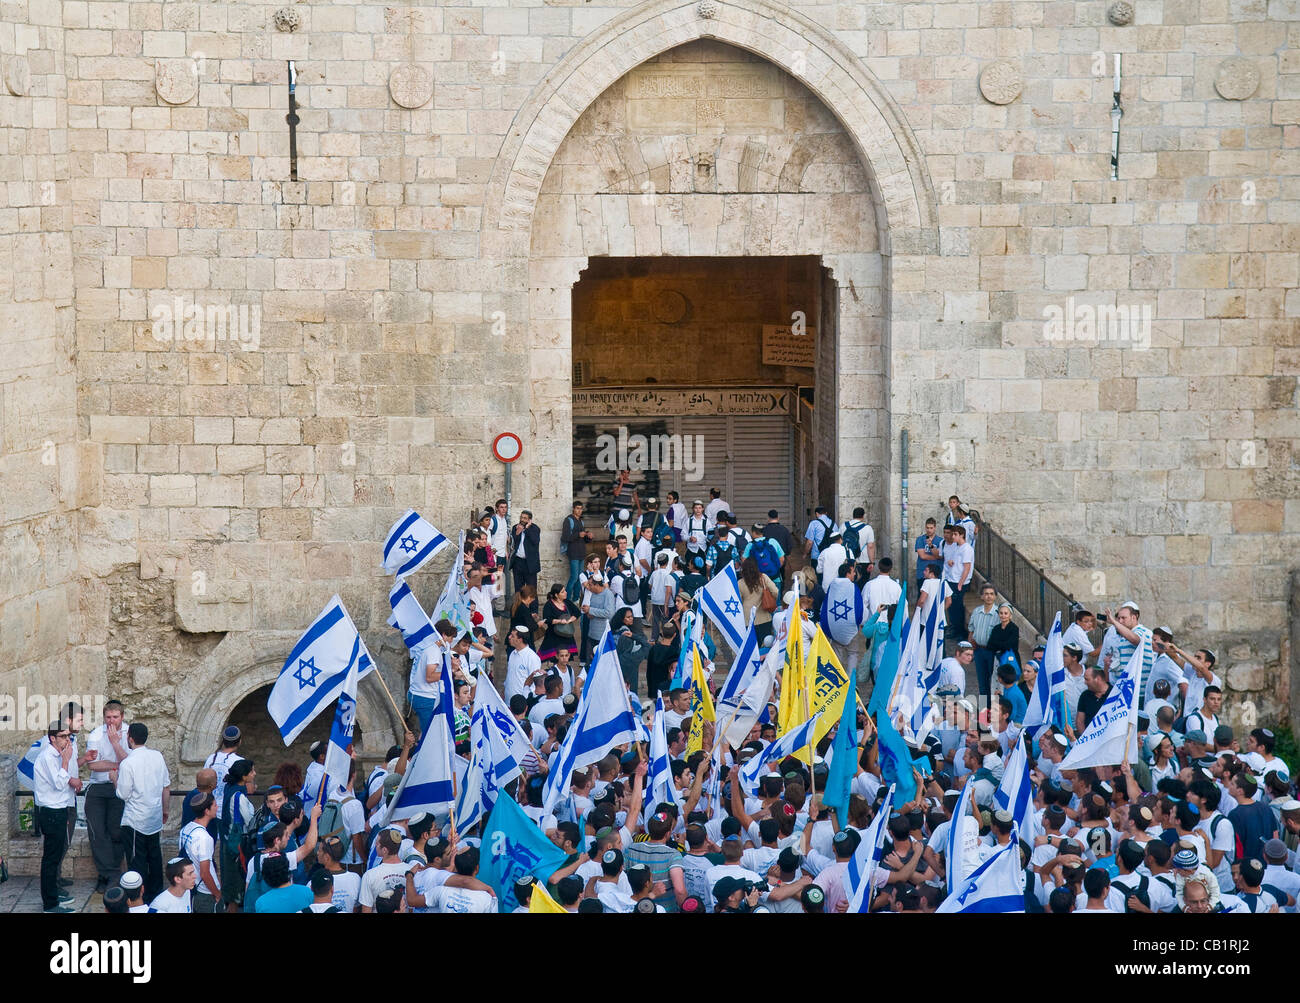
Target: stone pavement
{"x": 22, "y": 893}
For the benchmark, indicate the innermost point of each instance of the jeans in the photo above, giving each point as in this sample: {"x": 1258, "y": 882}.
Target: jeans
{"x": 575, "y": 569}
{"x": 984, "y": 673}
{"x": 144, "y": 854}
{"x": 53, "y": 825}
{"x": 424, "y": 708}
{"x": 957, "y": 615}
{"x": 104, "y": 825}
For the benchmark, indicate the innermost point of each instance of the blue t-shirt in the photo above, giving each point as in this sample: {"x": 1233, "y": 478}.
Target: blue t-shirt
{"x": 937, "y": 563}
{"x": 290, "y": 898}
{"x": 1018, "y": 704}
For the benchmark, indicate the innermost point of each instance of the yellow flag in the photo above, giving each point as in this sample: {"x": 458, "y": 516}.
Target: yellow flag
{"x": 791, "y": 711}
{"x": 542, "y": 902}
{"x": 701, "y": 705}
{"x": 830, "y": 684}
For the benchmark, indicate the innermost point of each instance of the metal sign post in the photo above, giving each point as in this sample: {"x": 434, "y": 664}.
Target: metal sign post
{"x": 507, "y": 447}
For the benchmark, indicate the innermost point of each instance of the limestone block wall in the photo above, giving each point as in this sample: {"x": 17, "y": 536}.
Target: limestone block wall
{"x": 363, "y": 331}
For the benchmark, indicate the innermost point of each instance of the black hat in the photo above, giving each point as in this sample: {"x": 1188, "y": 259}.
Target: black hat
{"x": 725, "y": 887}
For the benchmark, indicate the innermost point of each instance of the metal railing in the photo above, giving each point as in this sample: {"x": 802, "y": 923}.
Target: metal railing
{"x": 1030, "y": 592}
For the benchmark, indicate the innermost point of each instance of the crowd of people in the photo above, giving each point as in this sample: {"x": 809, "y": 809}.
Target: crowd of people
{"x": 1201, "y": 820}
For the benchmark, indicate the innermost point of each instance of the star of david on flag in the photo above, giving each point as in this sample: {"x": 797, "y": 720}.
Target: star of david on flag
{"x": 411, "y": 542}
{"x": 720, "y": 600}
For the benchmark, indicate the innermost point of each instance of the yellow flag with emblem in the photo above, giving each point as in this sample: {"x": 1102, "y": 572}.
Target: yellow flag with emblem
{"x": 792, "y": 709}
{"x": 701, "y": 704}
{"x": 829, "y": 687}
{"x": 540, "y": 901}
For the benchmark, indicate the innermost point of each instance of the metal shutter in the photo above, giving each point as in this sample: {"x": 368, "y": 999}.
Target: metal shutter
{"x": 713, "y": 432}
{"x": 762, "y": 468}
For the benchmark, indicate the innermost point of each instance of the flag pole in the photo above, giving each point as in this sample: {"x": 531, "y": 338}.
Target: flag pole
{"x": 380, "y": 676}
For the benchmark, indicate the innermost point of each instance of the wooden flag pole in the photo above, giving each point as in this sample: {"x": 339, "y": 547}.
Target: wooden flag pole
{"x": 380, "y": 676}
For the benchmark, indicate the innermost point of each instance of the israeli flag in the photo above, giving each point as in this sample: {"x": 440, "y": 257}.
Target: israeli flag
{"x": 659, "y": 780}
{"x": 1050, "y": 681}
{"x": 842, "y": 611}
{"x": 505, "y": 733}
{"x": 427, "y": 783}
{"x": 452, "y": 604}
{"x": 932, "y": 643}
{"x": 338, "y": 759}
{"x": 752, "y": 705}
{"x": 953, "y": 851}
{"x": 314, "y": 673}
{"x": 997, "y": 885}
{"x": 720, "y": 600}
{"x": 1111, "y": 736}
{"x": 911, "y": 702}
{"x": 744, "y": 670}
{"x": 409, "y": 617}
{"x": 483, "y": 782}
{"x": 603, "y": 720}
{"x": 788, "y": 744}
{"x": 27, "y": 765}
{"x": 1016, "y": 792}
{"x": 411, "y": 543}
{"x": 863, "y": 864}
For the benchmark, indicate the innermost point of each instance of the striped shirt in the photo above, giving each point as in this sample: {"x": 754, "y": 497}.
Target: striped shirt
{"x": 981, "y": 623}
{"x": 1124, "y": 649}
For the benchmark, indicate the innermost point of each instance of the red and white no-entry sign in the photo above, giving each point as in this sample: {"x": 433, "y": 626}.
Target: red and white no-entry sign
{"x": 507, "y": 447}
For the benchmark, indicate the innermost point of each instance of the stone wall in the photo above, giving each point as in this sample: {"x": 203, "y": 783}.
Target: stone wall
{"x": 413, "y": 289}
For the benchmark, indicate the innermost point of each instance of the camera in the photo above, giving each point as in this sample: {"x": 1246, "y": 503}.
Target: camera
{"x": 1102, "y": 618}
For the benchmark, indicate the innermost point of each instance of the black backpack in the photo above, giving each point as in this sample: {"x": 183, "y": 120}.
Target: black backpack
{"x": 850, "y": 539}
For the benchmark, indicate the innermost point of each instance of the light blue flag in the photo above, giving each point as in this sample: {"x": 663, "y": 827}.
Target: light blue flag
{"x": 313, "y": 675}
{"x": 843, "y": 611}
{"x": 863, "y": 864}
{"x": 720, "y": 601}
{"x": 889, "y": 659}
{"x": 338, "y": 756}
{"x": 1016, "y": 791}
{"x": 409, "y": 617}
{"x": 513, "y": 846}
{"x": 411, "y": 542}
{"x": 997, "y": 885}
{"x": 659, "y": 780}
{"x": 27, "y": 765}
{"x": 844, "y": 764}
{"x": 603, "y": 720}
{"x": 785, "y": 745}
{"x": 895, "y": 759}
{"x": 954, "y": 865}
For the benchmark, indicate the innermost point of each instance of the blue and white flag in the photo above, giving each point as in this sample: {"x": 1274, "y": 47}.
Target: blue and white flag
{"x": 603, "y": 720}
{"x": 933, "y": 626}
{"x": 738, "y": 716}
{"x": 659, "y": 780}
{"x": 427, "y": 784}
{"x": 786, "y": 745}
{"x": 843, "y": 611}
{"x": 411, "y": 542}
{"x": 955, "y": 848}
{"x": 1016, "y": 791}
{"x": 491, "y": 767}
{"x": 313, "y": 675}
{"x": 744, "y": 670}
{"x": 863, "y": 863}
{"x": 1111, "y": 735}
{"x": 720, "y": 600}
{"x": 513, "y": 846}
{"x": 409, "y": 617}
{"x": 27, "y": 765}
{"x": 997, "y": 885}
{"x": 338, "y": 755}
{"x": 1038, "y": 715}
{"x": 506, "y": 734}
{"x": 452, "y": 603}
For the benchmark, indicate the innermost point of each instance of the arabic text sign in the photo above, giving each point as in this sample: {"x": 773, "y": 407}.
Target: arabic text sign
{"x": 783, "y": 347}
{"x": 651, "y": 402}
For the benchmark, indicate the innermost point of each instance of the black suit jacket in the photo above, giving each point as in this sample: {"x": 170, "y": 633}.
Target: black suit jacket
{"x": 532, "y": 559}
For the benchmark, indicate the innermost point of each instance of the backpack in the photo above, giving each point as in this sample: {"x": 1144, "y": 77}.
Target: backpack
{"x": 256, "y": 888}
{"x": 765, "y": 556}
{"x": 234, "y": 833}
{"x": 332, "y": 908}
{"x": 663, "y": 534}
{"x": 850, "y": 539}
{"x": 330, "y": 822}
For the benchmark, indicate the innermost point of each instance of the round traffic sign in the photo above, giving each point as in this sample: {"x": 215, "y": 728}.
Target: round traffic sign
{"x": 507, "y": 447}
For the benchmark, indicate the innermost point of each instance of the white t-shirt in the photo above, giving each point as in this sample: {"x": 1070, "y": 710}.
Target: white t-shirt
{"x": 643, "y": 551}
{"x": 347, "y": 889}
{"x": 719, "y": 871}
{"x": 353, "y": 815}
{"x": 677, "y": 515}
{"x": 1076, "y": 635}
{"x": 167, "y": 902}
{"x": 952, "y": 675}
{"x": 612, "y": 897}
{"x": 662, "y": 580}
{"x": 380, "y": 877}
{"x": 521, "y": 664}
{"x": 1222, "y": 837}
{"x": 419, "y": 685}
{"x": 220, "y": 763}
{"x": 829, "y": 561}
{"x": 1195, "y": 698}
{"x": 198, "y": 846}
{"x": 446, "y": 899}
{"x": 482, "y": 597}
{"x": 543, "y": 710}
{"x": 714, "y": 507}
{"x": 955, "y": 558}
{"x": 881, "y": 591}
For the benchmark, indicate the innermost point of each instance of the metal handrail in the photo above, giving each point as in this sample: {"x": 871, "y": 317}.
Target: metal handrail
{"x": 1029, "y": 591}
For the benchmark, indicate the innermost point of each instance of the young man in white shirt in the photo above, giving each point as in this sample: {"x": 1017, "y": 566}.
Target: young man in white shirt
{"x": 499, "y": 531}
{"x": 882, "y": 590}
{"x": 105, "y": 748}
{"x": 144, "y": 785}
{"x": 221, "y": 760}
{"x": 522, "y": 666}
{"x": 197, "y": 846}
{"x": 1077, "y": 632}
{"x": 176, "y": 896}
{"x": 482, "y": 592}
{"x": 716, "y": 505}
{"x": 958, "y": 565}
{"x": 1206, "y": 717}
{"x": 434, "y": 889}
{"x": 54, "y": 787}
{"x": 832, "y": 555}
{"x": 390, "y": 872}
{"x": 347, "y": 885}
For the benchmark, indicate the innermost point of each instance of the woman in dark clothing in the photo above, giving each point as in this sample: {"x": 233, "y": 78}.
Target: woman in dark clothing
{"x": 1005, "y": 637}
{"x": 632, "y": 645}
{"x": 559, "y": 619}
{"x": 523, "y": 614}
{"x": 661, "y": 662}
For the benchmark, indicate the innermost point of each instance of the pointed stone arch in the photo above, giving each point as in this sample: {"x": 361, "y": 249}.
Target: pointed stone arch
{"x": 902, "y": 192}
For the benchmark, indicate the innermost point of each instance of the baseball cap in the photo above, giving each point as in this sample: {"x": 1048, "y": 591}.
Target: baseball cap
{"x": 1223, "y": 734}
{"x": 726, "y": 887}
